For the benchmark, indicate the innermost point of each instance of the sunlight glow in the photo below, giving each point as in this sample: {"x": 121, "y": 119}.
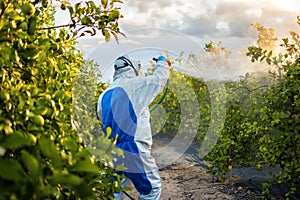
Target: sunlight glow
{"x": 242, "y": 1}
{"x": 292, "y": 5}
{"x": 257, "y": 12}
{"x": 223, "y": 25}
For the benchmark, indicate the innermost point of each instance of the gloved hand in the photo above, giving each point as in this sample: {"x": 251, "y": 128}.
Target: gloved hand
{"x": 162, "y": 58}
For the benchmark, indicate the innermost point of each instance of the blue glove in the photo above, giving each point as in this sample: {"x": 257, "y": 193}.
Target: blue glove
{"x": 161, "y": 58}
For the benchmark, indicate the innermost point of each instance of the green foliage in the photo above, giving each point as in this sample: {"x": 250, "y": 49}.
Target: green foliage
{"x": 42, "y": 156}
{"x": 242, "y": 128}
{"x": 280, "y": 143}
{"x": 262, "y": 122}
{"x": 88, "y": 17}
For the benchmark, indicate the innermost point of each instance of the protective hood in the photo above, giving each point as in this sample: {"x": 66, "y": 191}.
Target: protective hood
{"x": 126, "y": 67}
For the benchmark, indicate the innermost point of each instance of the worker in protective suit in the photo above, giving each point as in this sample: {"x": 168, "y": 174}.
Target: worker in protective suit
{"x": 124, "y": 108}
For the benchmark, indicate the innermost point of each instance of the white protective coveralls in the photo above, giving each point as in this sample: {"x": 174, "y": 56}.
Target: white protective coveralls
{"x": 124, "y": 108}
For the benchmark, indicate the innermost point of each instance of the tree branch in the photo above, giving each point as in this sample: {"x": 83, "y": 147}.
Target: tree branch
{"x": 55, "y": 27}
{"x": 3, "y": 10}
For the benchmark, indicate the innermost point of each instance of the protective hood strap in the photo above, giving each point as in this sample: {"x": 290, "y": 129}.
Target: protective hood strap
{"x": 127, "y": 62}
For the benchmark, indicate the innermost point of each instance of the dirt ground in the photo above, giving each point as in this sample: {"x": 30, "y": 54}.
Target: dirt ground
{"x": 187, "y": 179}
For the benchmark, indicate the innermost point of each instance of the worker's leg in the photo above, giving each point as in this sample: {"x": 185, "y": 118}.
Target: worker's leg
{"x": 125, "y": 183}
{"x": 156, "y": 188}
{"x": 142, "y": 170}
{"x": 151, "y": 171}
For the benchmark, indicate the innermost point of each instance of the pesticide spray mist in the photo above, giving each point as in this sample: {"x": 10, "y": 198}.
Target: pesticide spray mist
{"x": 143, "y": 44}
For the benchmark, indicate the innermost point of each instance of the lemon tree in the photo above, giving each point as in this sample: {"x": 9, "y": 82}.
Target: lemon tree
{"x": 262, "y": 120}
{"x": 41, "y": 154}
{"x": 279, "y": 143}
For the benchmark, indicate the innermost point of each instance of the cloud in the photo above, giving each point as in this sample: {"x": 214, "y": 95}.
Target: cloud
{"x": 266, "y": 13}
{"x": 218, "y": 19}
{"x": 144, "y": 6}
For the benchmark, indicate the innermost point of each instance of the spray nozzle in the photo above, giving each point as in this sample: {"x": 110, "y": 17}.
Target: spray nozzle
{"x": 156, "y": 59}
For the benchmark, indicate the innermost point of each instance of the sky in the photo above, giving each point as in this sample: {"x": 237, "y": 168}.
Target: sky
{"x": 186, "y": 25}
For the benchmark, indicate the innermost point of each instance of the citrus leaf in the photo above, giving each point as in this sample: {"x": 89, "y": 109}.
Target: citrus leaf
{"x": 11, "y": 170}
